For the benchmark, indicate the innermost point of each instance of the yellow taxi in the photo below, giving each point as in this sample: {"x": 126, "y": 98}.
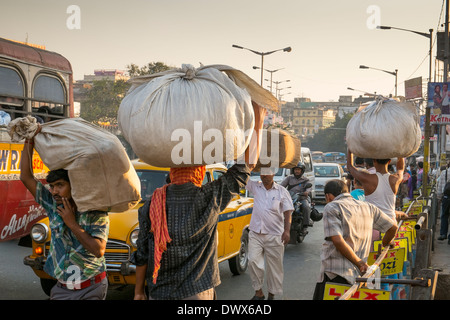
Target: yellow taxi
{"x": 124, "y": 229}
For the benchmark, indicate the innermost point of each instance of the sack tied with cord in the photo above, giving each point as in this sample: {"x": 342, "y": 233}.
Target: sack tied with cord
{"x": 191, "y": 116}
{"x": 384, "y": 129}
{"x": 100, "y": 172}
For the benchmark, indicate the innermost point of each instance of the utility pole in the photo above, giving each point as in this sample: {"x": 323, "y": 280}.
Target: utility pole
{"x": 443, "y": 131}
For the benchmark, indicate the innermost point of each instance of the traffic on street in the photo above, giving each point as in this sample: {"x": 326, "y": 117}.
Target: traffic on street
{"x": 151, "y": 151}
{"x": 19, "y": 282}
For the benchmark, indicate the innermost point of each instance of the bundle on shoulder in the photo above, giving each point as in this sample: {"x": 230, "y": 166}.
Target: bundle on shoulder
{"x": 100, "y": 172}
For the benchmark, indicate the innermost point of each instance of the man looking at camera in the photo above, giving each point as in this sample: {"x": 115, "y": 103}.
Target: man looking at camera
{"x": 269, "y": 232}
{"x": 78, "y": 239}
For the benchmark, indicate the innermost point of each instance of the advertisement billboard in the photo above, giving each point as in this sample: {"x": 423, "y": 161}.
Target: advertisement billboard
{"x": 413, "y": 88}
{"x": 439, "y": 102}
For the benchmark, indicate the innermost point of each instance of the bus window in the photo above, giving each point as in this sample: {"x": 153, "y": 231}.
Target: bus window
{"x": 11, "y": 89}
{"x": 51, "y": 95}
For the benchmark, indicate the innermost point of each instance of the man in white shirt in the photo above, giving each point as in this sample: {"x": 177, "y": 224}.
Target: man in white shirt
{"x": 269, "y": 233}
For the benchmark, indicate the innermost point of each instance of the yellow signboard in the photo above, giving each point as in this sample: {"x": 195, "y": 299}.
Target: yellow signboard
{"x": 10, "y": 154}
{"x": 398, "y": 243}
{"x": 392, "y": 262}
{"x": 409, "y": 226}
{"x": 334, "y": 290}
{"x": 415, "y": 210}
{"x": 405, "y": 232}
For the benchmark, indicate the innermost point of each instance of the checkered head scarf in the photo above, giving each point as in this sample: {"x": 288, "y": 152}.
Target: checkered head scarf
{"x": 157, "y": 210}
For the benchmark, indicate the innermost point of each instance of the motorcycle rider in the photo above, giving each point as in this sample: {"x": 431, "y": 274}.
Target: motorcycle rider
{"x": 296, "y": 185}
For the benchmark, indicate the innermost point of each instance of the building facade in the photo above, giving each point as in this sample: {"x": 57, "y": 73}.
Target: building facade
{"x": 307, "y": 117}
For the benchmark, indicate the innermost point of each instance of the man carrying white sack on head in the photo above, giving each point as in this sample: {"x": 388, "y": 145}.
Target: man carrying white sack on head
{"x": 366, "y": 135}
{"x": 177, "y": 240}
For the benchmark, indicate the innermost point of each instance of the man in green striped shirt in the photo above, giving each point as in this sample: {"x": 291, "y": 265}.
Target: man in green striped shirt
{"x": 77, "y": 247}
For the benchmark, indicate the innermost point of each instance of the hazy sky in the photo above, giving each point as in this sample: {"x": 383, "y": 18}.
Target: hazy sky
{"x": 329, "y": 39}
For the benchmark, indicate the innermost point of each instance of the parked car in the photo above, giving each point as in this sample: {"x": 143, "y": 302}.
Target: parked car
{"x": 124, "y": 229}
{"x": 324, "y": 172}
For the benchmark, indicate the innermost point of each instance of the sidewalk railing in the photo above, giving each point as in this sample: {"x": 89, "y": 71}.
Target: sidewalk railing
{"x": 401, "y": 272}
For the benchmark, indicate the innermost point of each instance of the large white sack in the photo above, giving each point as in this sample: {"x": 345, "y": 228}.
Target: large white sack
{"x": 181, "y": 117}
{"x": 100, "y": 172}
{"x": 384, "y": 129}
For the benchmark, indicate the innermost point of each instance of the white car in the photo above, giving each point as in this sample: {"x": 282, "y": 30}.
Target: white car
{"x": 324, "y": 172}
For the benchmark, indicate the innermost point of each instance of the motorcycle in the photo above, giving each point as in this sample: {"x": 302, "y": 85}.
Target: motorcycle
{"x": 298, "y": 230}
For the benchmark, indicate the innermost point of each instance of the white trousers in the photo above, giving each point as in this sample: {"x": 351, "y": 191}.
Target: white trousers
{"x": 266, "y": 253}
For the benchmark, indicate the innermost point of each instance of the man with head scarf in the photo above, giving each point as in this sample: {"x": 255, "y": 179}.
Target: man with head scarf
{"x": 177, "y": 243}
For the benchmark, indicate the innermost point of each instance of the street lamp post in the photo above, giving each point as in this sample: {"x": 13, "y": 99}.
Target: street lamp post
{"x": 262, "y": 54}
{"x": 271, "y": 74}
{"x": 423, "y": 34}
{"x": 426, "y": 142}
{"x": 279, "y": 91}
{"x": 394, "y": 73}
{"x": 277, "y": 83}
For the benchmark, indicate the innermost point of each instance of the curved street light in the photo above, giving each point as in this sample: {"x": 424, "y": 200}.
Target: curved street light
{"x": 426, "y": 145}
{"x": 394, "y": 73}
{"x": 271, "y": 74}
{"x": 423, "y": 34}
{"x": 262, "y": 54}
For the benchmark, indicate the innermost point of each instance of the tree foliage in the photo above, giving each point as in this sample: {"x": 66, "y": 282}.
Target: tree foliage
{"x": 151, "y": 68}
{"x": 332, "y": 138}
{"x": 102, "y": 100}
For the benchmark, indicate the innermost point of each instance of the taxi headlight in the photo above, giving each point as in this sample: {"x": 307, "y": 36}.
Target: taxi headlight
{"x": 134, "y": 237}
{"x": 39, "y": 232}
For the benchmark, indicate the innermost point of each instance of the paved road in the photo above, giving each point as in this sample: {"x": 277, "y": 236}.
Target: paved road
{"x": 302, "y": 263}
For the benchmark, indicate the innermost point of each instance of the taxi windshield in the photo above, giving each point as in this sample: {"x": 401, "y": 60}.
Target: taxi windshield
{"x": 326, "y": 171}
{"x": 150, "y": 181}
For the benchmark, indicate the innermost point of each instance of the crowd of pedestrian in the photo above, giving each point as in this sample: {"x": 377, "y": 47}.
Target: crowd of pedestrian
{"x": 176, "y": 249}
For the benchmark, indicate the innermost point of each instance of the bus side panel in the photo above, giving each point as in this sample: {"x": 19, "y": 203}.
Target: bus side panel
{"x": 18, "y": 210}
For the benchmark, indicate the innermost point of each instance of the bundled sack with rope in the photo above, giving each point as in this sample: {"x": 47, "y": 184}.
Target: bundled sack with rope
{"x": 384, "y": 129}
{"x": 279, "y": 149}
{"x": 100, "y": 172}
{"x": 190, "y": 117}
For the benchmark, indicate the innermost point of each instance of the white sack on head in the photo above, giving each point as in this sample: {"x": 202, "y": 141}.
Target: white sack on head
{"x": 181, "y": 117}
{"x": 100, "y": 172}
{"x": 384, "y": 129}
